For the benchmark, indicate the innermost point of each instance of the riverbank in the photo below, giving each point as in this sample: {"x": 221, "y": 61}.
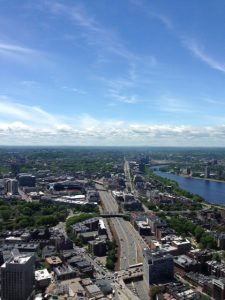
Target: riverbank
{"x": 158, "y": 166}
{"x": 211, "y": 191}
{"x": 193, "y": 177}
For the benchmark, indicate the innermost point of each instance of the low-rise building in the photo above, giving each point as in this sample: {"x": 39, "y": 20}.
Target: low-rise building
{"x": 215, "y": 268}
{"x": 53, "y": 261}
{"x": 134, "y": 205}
{"x": 27, "y": 247}
{"x": 102, "y": 227}
{"x": 97, "y": 247}
{"x": 42, "y": 278}
{"x": 184, "y": 264}
{"x": 88, "y": 236}
{"x": 93, "y": 291}
{"x": 92, "y": 196}
{"x": 218, "y": 292}
{"x": 143, "y": 228}
{"x": 65, "y": 272}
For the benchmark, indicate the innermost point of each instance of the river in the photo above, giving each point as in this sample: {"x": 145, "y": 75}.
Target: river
{"x": 211, "y": 191}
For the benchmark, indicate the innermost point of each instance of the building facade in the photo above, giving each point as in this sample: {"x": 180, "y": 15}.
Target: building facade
{"x": 17, "y": 278}
{"x": 157, "y": 266}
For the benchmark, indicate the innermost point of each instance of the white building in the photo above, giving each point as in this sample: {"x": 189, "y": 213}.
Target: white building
{"x": 42, "y": 278}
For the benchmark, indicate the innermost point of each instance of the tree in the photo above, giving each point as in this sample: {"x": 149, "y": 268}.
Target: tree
{"x": 26, "y": 211}
{"x": 216, "y": 256}
{"x": 198, "y": 233}
{"x": 154, "y": 290}
{"x": 25, "y": 222}
{"x": 5, "y": 214}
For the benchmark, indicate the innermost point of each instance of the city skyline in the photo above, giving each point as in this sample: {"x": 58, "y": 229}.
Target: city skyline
{"x": 99, "y": 73}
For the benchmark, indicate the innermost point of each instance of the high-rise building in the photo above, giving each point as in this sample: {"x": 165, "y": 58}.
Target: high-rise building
{"x": 157, "y": 266}
{"x": 12, "y": 186}
{"x": 15, "y": 168}
{"x": 218, "y": 292}
{"x": 207, "y": 172}
{"x": 26, "y": 180}
{"x": 17, "y": 278}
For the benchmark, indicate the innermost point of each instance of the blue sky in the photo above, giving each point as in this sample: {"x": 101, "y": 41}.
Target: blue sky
{"x": 104, "y": 72}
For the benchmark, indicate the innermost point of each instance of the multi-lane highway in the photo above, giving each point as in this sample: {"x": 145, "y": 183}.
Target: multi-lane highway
{"x": 128, "y": 244}
{"x": 131, "y": 243}
{"x": 129, "y": 183}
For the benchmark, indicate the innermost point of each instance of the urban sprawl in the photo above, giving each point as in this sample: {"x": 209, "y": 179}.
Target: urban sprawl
{"x": 101, "y": 224}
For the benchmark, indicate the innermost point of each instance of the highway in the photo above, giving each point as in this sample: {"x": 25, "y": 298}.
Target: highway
{"x": 131, "y": 243}
{"x": 129, "y": 183}
{"x": 128, "y": 244}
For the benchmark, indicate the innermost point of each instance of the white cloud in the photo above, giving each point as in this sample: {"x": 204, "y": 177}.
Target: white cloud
{"x": 29, "y": 57}
{"x": 29, "y": 125}
{"x": 12, "y": 48}
{"x": 171, "y": 104}
{"x": 16, "y": 111}
{"x": 18, "y": 53}
{"x": 200, "y": 53}
{"x": 165, "y": 20}
{"x": 121, "y": 97}
{"x": 90, "y": 131}
{"x": 93, "y": 32}
{"x": 75, "y": 90}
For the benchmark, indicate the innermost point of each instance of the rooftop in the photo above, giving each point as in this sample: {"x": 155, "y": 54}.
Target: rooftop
{"x": 42, "y": 274}
{"x": 53, "y": 260}
{"x": 19, "y": 260}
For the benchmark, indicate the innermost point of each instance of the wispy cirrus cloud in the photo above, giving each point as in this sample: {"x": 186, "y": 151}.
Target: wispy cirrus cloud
{"x": 30, "y": 57}
{"x": 93, "y": 32}
{"x": 32, "y": 114}
{"x": 200, "y": 53}
{"x": 121, "y": 97}
{"x": 120, "y": 89}
{"x": 75, "y": 90}
{"x": 18, "y": 52}
{"x": 107, "y": 43}
{"x": 12, "y": 48}
{"x": 162, "y": 18}
{"x": 172, "y": 104}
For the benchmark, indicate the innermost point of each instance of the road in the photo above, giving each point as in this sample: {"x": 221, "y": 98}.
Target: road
{"x": 121, "y": 290}
{"x": 131, "y": 243}
{"x": 128, "y": 244}
{"x": 129, "y": 182}
{"x": 24, "y": 196}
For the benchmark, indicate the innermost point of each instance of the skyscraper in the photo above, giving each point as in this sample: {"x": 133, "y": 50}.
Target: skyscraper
{"x": 157, "y": 266}
{"x": 207, "y": 172}
{"x": 26, "y": 180}
{"x": 12, "y": 186}
{"x": 17, "y": 278}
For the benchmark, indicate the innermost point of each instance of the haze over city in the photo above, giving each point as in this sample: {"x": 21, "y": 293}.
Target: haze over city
{"x": 104, "y": 73}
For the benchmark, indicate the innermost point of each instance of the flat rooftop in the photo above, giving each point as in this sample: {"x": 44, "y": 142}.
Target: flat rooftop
{"x": 42, "y": 274}
{"x": 18, "y": 260}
